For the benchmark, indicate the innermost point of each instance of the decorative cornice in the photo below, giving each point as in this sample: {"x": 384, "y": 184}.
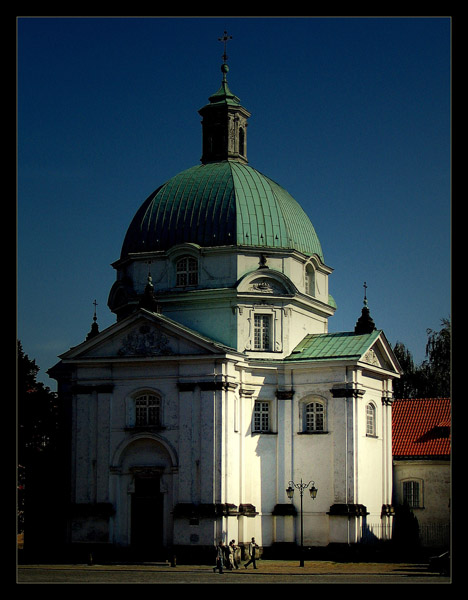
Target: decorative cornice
{"x": 245, "y": 392}
{"x": 347, "y": 392}
{"x": 388, "y": 510}
{"x": 284, "y": 394}
{"x": 100, "y": 388}
{"x": 189, "y": 510}
{"x": 349, "y": 510}
{"x": 284, "y": 510}
{"x": 189, "y": 386}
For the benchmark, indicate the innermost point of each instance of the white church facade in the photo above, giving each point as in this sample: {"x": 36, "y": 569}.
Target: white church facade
{"x": 219, "y": 383}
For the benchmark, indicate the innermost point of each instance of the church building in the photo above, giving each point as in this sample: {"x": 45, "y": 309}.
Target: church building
{"x": 218, "y": 391}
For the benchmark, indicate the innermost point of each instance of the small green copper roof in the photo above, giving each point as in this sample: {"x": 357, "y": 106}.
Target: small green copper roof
{"x": 333, "y": 346}
{"x": 221, "y": 204}
{"x": 224, "y": 94}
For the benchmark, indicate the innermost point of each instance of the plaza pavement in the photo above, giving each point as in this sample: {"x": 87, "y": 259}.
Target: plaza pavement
{"x": 268, "y": 572}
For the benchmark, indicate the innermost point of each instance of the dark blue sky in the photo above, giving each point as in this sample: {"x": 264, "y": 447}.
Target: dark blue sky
{"x": 350, "y": 115}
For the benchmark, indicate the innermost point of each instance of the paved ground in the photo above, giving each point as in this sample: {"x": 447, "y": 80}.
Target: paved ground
{"x": 268, "y": 572}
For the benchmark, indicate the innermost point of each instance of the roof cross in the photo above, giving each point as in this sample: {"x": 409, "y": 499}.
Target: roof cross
{"x": 225, "y": 39}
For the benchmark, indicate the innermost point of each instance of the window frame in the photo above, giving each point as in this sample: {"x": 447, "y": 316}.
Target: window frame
{"x": 260, "y": 332}
{"x": 414, "y": 497}
{"x": 311, "y": 425}
{"x": 187, "y": 271}
{"x": 262, "y": 410}
{"x": 309, "y": 280}
{"x": 153, "y": 402}
{"x": 371, "y": 420}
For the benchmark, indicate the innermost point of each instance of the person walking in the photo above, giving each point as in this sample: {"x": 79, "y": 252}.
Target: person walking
{"x": 232, "y": 556}
{"x": 228, "y": 557}
{"x": 219, "y": 557}
{"x": 253, "y": 554}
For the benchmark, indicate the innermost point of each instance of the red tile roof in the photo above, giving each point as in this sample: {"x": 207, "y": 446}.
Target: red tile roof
{"x": 421, "y": 427}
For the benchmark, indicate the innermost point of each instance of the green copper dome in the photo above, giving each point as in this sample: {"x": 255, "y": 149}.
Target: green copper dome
{"x": 223, "y": 203}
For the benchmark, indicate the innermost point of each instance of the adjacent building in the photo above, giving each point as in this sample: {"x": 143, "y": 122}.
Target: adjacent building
{"x": 422, "y": 466}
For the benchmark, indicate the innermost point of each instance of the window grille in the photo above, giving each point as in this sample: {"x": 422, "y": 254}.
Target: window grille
{"x": 315, "y": 417}
{"x": 370, "y": 420}
{"x": 310, "y": 281}
{"x": 262, "y": 332}
{"x": 262, "y": 416}
{"x": 187, "y": 272}
{"x": 148, "y": 410}
{"x": 411, "y": 493}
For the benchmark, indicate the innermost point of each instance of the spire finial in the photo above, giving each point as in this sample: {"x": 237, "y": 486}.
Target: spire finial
{"x": 94, "y": 327}
{"x": 365, "y": 323}
{"x": 225, "y": 39}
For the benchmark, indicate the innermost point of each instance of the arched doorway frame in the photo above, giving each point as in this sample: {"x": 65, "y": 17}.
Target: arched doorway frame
{"x": 122, "y": 484}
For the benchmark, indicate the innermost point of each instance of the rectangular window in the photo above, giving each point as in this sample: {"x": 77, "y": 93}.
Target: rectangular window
{"x": 262, "y": 416}
{"x": 147, "y": 410}
{"x": 187, "y": 272}
{"x": 262, "y": 332}
{"x": 411, "y": 494}
{"x": 315, "y": 416}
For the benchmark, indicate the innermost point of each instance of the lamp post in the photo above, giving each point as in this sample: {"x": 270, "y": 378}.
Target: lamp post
{"x": 313, "y": 494}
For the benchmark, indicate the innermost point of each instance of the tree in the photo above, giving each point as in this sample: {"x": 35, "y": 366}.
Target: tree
{"x": 38, "y": 416}
{"x": 39, "y": 454}
{"x": 431, "y": 379}
{"x": 438, "y": 363}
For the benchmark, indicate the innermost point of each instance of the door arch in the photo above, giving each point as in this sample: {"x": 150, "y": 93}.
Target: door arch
{"x": 144, "y": 466}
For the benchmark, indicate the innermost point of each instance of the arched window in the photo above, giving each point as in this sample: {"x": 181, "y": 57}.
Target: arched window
{"x": 314, "y": 416}
{"x": 147, "y": 410}
{"x": 187, "y": 271}
{"x": 241, "y": 142}
{"x": 310, "y": 280}
{"x": 371, "y": 428}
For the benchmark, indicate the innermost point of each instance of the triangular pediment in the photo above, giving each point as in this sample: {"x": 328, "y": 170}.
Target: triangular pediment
{"x": 381, "y": 355}
{"x": 370, "y": 349}
{"x": 145, "y": 334}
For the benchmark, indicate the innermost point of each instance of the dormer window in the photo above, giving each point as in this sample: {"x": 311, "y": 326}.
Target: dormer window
{"x": 186, "y": 272}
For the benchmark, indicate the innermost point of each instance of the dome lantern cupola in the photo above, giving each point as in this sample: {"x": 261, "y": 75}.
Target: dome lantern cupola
{"x": 224, "y": 122}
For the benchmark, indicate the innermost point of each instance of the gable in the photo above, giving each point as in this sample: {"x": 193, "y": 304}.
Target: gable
{"x": 145, "y": 334}
{"x": 372, "y": 349}
{"x": 377, "y": 356}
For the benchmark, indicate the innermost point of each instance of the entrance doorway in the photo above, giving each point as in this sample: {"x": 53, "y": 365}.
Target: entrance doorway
{"x": 147, "y": 517}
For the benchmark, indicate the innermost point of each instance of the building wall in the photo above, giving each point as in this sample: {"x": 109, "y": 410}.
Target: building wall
{"x": 208, "y": 454}
{"x": 434, "y": 479}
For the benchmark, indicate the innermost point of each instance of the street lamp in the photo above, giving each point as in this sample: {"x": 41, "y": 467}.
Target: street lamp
{"x": 313, "y": 494}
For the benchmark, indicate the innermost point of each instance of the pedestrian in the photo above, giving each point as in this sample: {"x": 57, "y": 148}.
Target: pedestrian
{"x": 219, "y": 557}
{"x": 233, "y": 555}
{"x": 228, "y": 557}
{"x": 253, "y": 549}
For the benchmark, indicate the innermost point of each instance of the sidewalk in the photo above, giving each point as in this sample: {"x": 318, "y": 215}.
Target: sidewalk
{"x": 268, "y": 571}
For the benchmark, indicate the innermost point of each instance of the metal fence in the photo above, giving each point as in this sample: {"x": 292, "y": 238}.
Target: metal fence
{"x": 431, "y": 535}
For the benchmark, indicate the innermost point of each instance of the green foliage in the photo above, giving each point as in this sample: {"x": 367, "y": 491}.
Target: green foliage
{"x": 37, "y": 411}
{"x": 430, "y": 379}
